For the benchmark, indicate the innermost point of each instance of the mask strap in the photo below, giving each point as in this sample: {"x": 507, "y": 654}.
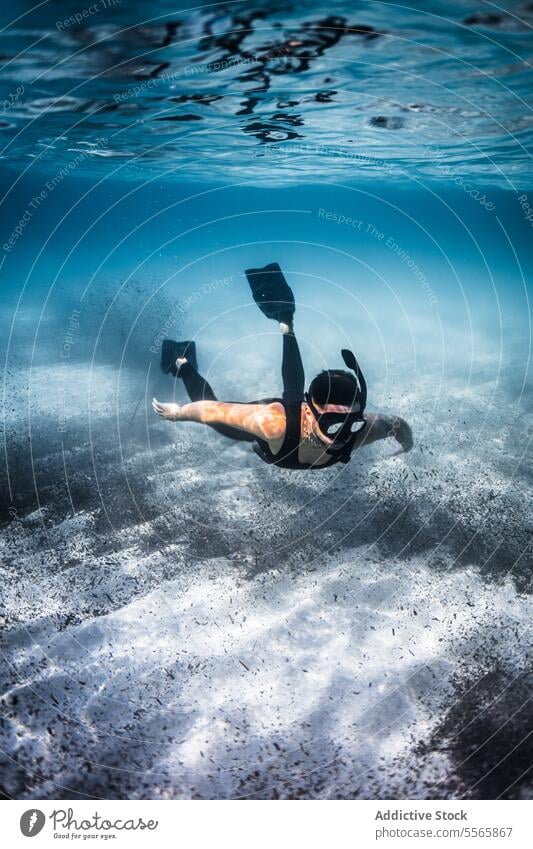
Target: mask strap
{"x": 311, "y": 406}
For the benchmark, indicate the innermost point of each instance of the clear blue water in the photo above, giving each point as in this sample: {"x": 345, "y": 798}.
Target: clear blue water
{"x": 178, "y": 619}
{"x": 271, "y": 93}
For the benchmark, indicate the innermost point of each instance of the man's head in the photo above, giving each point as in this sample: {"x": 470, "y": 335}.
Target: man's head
{"x": 335, "y": 399}
{"x": 334, "y": 386}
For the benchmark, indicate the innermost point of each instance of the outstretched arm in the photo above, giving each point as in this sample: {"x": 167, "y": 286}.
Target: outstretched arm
{"x": 379, "y": 426}
{"x": 265, "y": 421}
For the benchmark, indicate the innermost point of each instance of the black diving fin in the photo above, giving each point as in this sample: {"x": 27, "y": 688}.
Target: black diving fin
{"x": 271, "y": 292}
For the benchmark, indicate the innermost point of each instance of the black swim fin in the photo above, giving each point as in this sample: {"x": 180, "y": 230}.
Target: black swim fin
{"x": 271, "y": 292}
{"x": 170, "y": 351}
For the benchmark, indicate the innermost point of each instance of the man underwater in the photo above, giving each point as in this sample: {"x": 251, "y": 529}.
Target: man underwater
{"x": 300, "y": 430}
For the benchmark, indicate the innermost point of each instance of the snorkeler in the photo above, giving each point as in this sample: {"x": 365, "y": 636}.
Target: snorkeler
{"x": 300, "y": 430}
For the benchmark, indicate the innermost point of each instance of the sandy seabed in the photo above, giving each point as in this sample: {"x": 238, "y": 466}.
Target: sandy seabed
{"x": 183, "y": 621}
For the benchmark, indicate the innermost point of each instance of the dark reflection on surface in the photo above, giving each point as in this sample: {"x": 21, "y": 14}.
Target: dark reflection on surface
{"x": 249, "y": 74}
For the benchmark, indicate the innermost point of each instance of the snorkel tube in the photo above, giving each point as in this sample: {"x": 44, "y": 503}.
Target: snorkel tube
{"x": 351, "y": 363}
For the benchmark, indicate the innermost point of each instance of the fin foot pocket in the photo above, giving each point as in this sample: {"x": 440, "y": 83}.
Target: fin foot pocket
{"x": 171, "y": 350}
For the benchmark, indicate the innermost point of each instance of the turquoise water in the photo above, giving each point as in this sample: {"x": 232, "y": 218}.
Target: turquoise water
{"x": 179, "y": 619}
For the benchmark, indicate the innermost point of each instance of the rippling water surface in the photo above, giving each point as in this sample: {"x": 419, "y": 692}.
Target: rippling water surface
{"x": 271, "y": 91}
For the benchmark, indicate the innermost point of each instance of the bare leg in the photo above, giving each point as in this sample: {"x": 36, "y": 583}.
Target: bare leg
{"x": 198, "y": 389}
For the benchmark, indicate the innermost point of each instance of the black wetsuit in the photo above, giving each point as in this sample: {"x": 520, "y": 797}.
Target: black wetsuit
{"x": 292, "y": 371}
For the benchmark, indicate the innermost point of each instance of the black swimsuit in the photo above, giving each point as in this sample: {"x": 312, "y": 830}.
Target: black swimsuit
{"x": 198, "y": 389}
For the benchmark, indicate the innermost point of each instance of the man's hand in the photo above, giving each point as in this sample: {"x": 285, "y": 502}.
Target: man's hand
{"x": 379, "y": 426}
{"x": 403, "y": 433}
{"x": 166, "y": 411}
